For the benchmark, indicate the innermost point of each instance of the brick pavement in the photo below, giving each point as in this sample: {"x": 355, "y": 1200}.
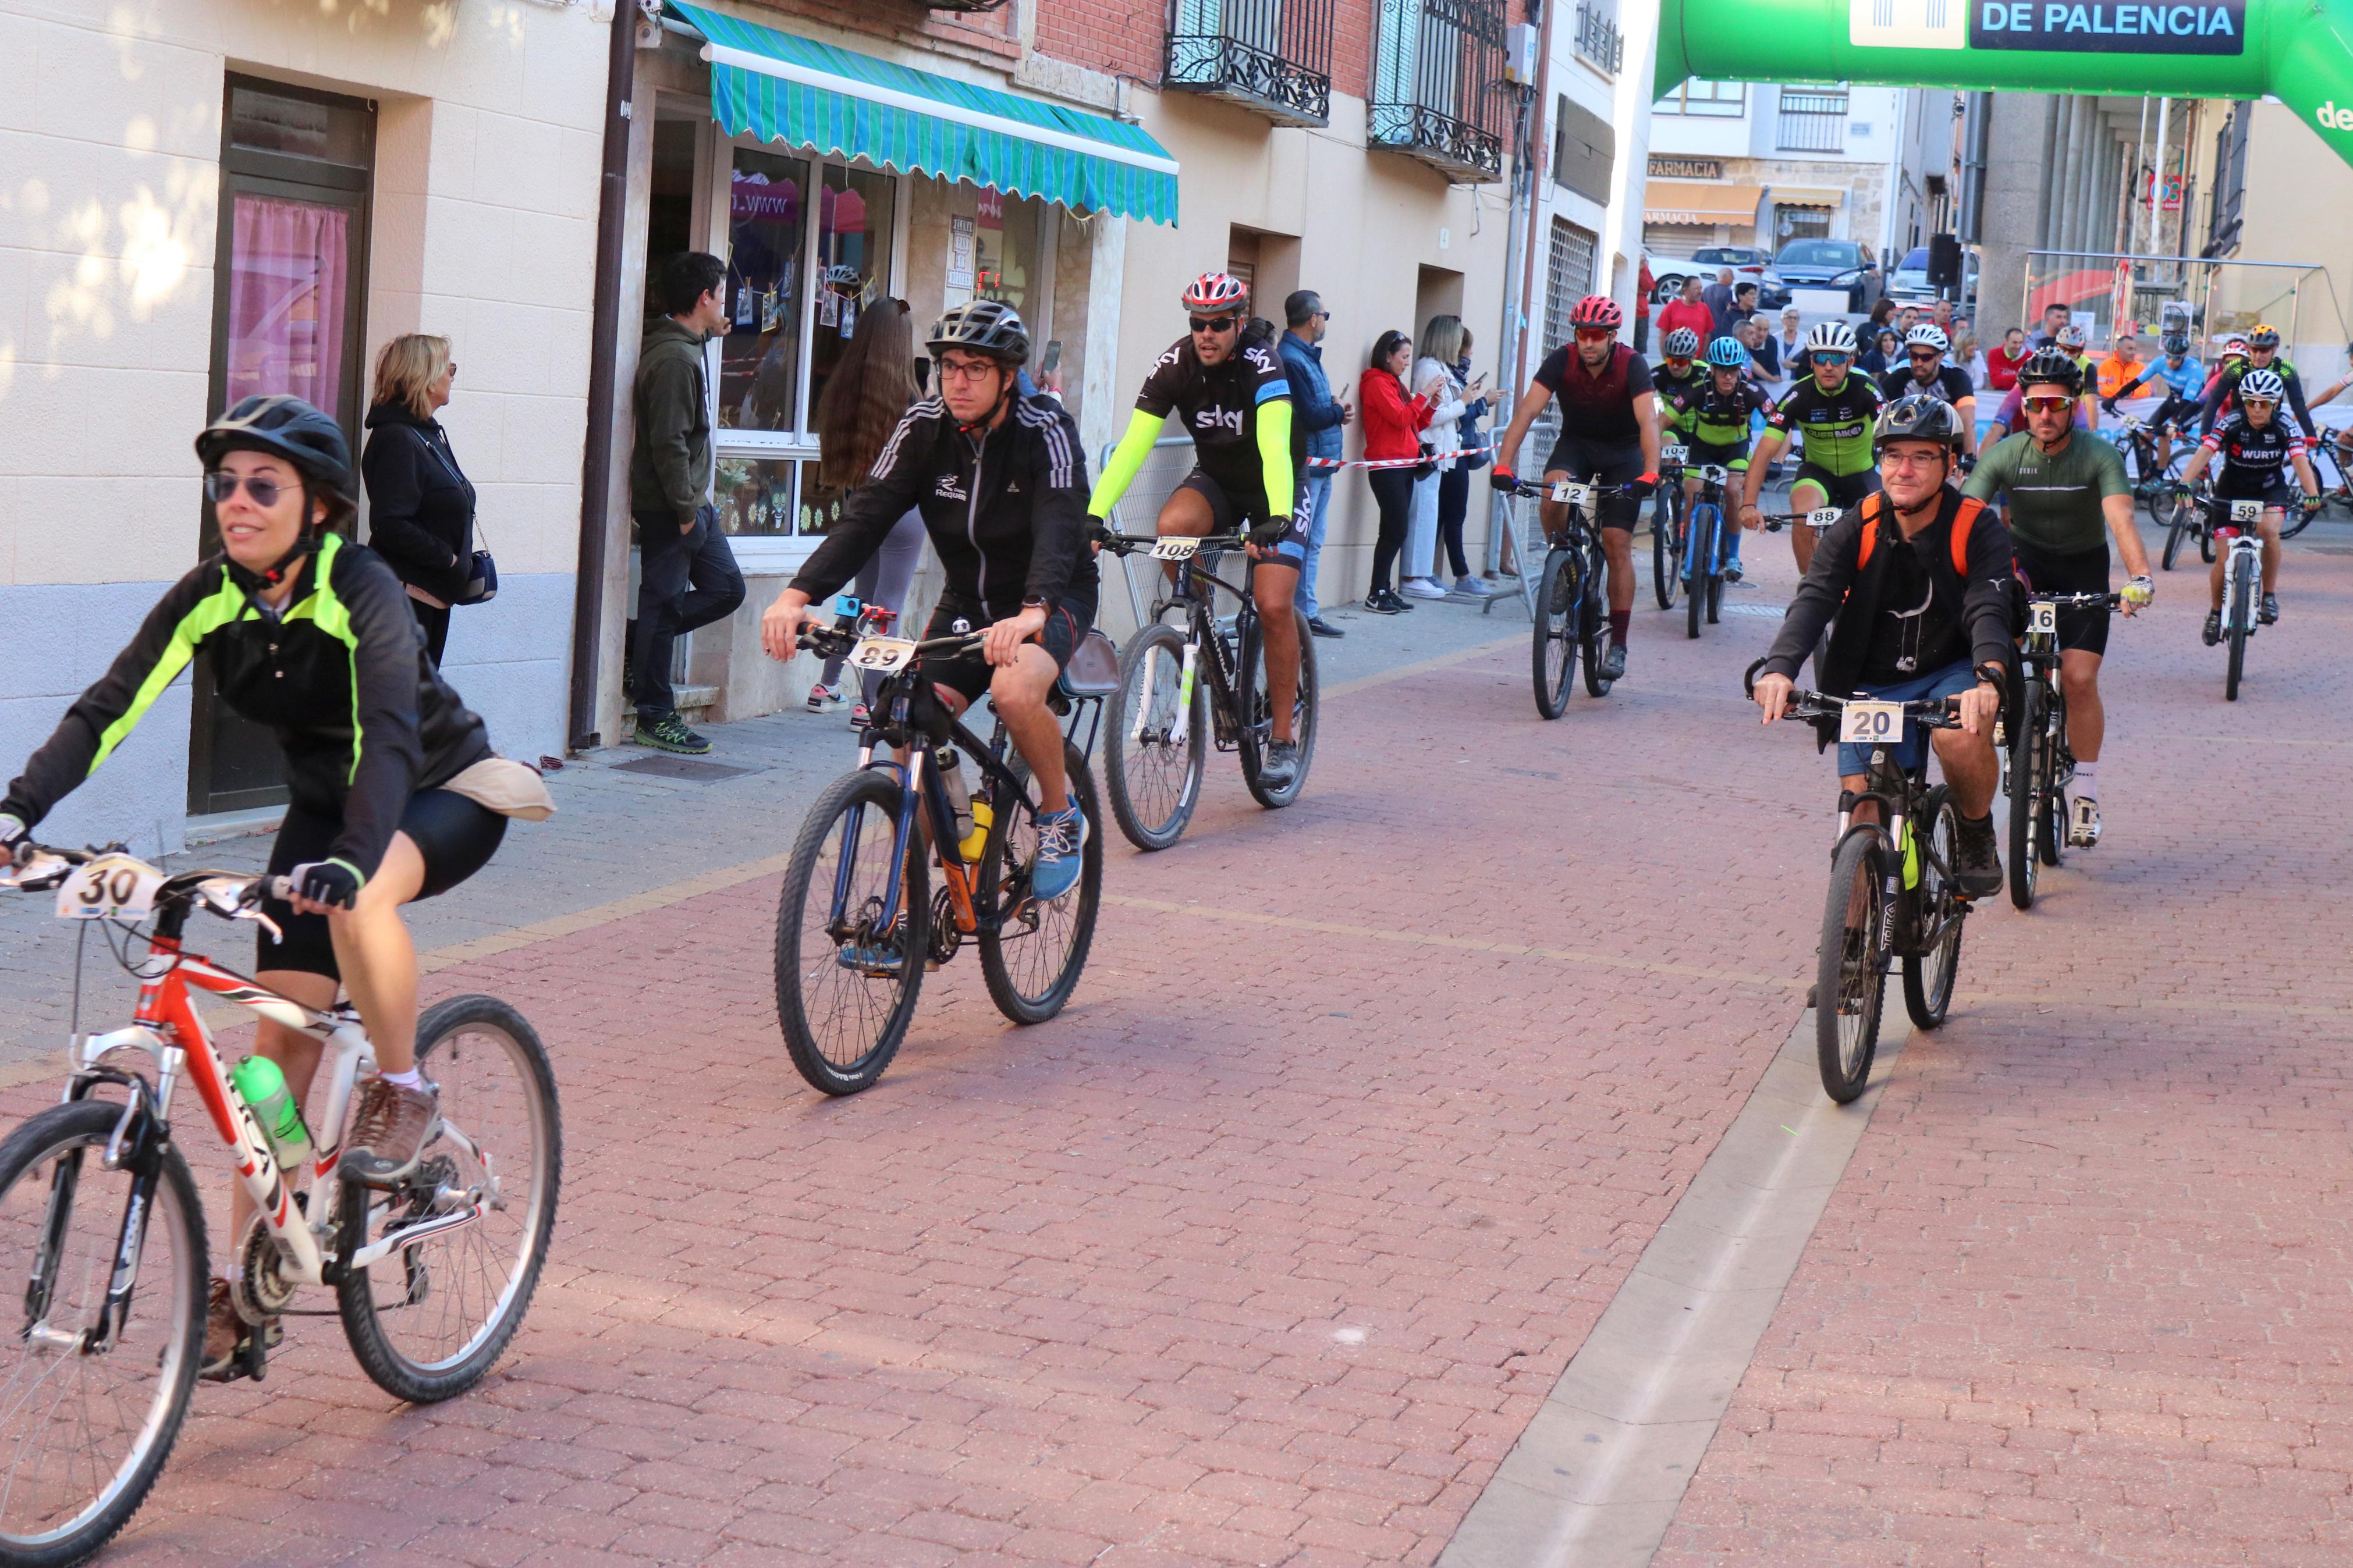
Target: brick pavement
{"x": 2082, "y": 1296}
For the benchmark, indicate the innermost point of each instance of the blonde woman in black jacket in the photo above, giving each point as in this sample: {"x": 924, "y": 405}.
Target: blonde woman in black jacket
{"x": 420, "y": 504}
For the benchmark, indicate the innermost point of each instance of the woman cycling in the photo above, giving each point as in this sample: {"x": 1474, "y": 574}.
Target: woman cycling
{"x": 311, "y": 636}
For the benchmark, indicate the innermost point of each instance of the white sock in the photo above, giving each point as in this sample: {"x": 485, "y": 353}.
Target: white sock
{"x": 412, "y": 1079}
{"x": 2087, "y": 781}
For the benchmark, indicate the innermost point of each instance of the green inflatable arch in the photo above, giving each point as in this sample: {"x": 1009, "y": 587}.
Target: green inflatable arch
{"x": 2295, "y": 50}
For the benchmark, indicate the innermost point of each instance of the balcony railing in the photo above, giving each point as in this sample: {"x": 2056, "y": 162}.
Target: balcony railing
{"x": 1273, "y": 56}
{"x": 1437, "y": 88}
{"x": 1598, "y": 40}
{"x": 1812, "y": 122}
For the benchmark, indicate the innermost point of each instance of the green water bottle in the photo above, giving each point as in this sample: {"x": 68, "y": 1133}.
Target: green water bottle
{"x": 263, "y": 1089}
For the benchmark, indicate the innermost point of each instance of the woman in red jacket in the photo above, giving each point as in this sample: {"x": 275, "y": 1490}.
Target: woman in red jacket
{"x": 1393, "y": 424}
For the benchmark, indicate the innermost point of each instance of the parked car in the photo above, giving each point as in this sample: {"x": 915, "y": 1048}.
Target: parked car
{"x": 1832, "y": 264}
{"x": 1749, "y": 264}
{"x": 1910, "y": 283}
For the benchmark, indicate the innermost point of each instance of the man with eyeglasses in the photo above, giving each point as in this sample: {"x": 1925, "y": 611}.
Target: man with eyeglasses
{"x": 2067, "y": 496}
{"x": 1929, "y": 376}
{"x": 1832, "y": 409}
{"x": 1229, "y": 388}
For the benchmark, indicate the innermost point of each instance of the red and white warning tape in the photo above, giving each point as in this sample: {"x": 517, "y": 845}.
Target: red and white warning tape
{"x": 1396, "y": 462}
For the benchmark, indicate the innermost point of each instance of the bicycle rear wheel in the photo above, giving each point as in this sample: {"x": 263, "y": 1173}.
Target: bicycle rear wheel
{"x": 1851, "y": 980}
{"x": 87, "y": 1434}
{"x": 846, "y": 989}
{"x": 429, "y": 1319}
{"x": 1928, "y": 975}
{"x": 2028, "y": 766}
{"x": 1033, "y": 959}
{"x": 1704, "y": 546}
{"x": 1259, "y": 704}
{"x": 1159, "y": 747}
{"x": 1557, "y": 598}
{"x": 1667, "y": 544}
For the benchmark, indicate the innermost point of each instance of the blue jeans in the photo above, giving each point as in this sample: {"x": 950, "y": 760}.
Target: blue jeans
{"x": 1319, "y": 502}
{"x": 1913, "y": 751}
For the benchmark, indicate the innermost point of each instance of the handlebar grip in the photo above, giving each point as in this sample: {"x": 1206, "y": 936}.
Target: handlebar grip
{"x": 1748, "y": 679}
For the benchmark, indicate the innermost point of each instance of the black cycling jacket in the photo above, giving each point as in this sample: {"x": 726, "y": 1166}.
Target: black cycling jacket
{"x": 340, "y": 675}
{"x": 1007, "y": 509}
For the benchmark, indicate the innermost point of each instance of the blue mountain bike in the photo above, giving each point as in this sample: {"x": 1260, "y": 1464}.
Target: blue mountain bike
{"x": 1706, "y": 550}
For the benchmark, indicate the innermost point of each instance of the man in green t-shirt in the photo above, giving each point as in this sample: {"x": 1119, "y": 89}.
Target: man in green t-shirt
{"x": 2067, "y": 493}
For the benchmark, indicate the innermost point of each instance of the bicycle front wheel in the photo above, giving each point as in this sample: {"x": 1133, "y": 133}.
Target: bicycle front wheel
{"x": 1703, "y": 547}
{"x": 2176, "y": 530}
{"x": 1850, "y": 979}
{"x": 1555, "y": 632}
{"x": 2027, "y": 763}
{"x": 2244, "y": 589}
{"x": 1159, "y": 740}
{"x": 847, "y": 972}
{"x": 1032, "y": 959}
{"x": 430, "y": 1317}
{"x": 1259, "y": 702}
{"x": 1593, "y": 623}
{"x": 1667, "y": 555}
{"x": 87, "y": 1426}
{"x": 1928, "y": 974}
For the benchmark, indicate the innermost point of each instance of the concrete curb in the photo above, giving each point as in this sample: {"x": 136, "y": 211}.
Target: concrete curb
{"x": 1598, "y": 1474}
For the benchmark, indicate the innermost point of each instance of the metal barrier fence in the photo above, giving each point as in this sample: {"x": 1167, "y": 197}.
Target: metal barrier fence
{"x": 2206, "y": 299}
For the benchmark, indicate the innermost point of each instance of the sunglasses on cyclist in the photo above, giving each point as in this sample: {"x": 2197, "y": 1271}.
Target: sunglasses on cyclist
{"x": 1215, "y": 325}
{"x": 2049, "y": 405}
{"x": 1925, "y": 356}
{"x": 1832, "y": 360}
{"x": 1594, "y": 334}
{"x": 2265, "y": 403}
{"x": 219, "y": 486}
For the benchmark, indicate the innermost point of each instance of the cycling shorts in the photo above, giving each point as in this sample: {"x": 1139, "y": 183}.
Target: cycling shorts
{"x": 968, "y": 675}
{"x": 1843, "y": 490}
{"x": 2279, "y": 491}
{"x": 1602, "y": 463}
{"x": 2077, "y": 572}
{"x": 1233, "y": 512}
{"x": 456, "y": 836}
{"x": 1913, "y": 753}
{"x": 1733, "y": 455}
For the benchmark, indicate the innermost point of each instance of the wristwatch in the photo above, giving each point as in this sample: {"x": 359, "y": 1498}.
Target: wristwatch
{"x": 1034, "y": 602}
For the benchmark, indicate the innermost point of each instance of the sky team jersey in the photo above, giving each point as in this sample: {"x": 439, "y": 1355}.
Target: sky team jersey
{"x": 1597, "y": 408}
{"x": 1220, "y": 406}
{"x": 1951, "y": 383}
{"x": 2186, "y": 379}
{"x": 1836, "y": 424}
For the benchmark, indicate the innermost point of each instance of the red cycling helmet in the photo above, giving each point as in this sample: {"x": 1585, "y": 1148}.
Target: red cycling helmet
{"x": 1597, "y": 311}
{"x": 1215, "y": 291}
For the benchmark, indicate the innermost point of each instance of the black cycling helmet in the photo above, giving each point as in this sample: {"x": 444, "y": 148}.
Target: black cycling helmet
{"x": 284, "y": 428}
{"x": 987, "y": 327}
{"x": 2052, "y": 367}
{"x": 1917, "y": 418}
{"x": 2178, "y": 344}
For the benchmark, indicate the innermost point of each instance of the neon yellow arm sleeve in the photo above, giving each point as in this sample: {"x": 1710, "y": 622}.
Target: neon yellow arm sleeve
{"x": 1125, "y": 462}
{"x": 1274, "y": 452}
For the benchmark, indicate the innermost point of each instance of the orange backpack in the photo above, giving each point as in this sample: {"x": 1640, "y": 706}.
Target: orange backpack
{"x": 1965, "y": 522}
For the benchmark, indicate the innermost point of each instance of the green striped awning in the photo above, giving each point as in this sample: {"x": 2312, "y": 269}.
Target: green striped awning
{"x": 783, "y": 88}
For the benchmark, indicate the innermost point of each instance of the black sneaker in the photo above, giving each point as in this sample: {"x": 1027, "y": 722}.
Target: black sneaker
{"x": 670, "y": 733}
{"x": 2213, "y": 630}
{"x": 1979, "y": 875}
{"x": 1377, "y": 603}
{"x": 1323, "y": 628}
{"x": 2269, "y": 614}
{"x": 1613, "y": 662}
{"x": 1280, "y": 771}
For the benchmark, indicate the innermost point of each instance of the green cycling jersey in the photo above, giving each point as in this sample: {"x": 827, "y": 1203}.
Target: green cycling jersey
{"x": 1836, "y": 424}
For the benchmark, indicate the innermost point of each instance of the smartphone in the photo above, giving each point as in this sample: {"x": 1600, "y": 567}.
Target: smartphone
{"x": 1053, "y": 356}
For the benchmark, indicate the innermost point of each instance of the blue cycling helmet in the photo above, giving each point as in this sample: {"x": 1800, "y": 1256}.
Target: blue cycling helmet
{"x": 1728, "y": 353}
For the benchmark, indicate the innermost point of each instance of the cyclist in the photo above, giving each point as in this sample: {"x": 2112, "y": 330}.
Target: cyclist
{"x": 1832, "y": 409}
{"x": 2262, "y": 354}
{"x": 1608, "y": 435}
{"x": 1918, "y": 579}
{"x": 1235, "y": 400}
{"x": 2342, "y": 438}
{"x": 1678, "y": 378}
{"x": 1925, "y": 345}
{"x": 2183, "y": 378}
{"x": 309, "y": 635}
{"x": 2066, "y": 492}
{"x": 1001, "y": 481}
{"x": 1715, "y": 420}
{"x": 2256, "y": 441}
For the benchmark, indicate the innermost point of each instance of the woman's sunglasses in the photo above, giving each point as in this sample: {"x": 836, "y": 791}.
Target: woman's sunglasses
{"x": 219, "y": 486}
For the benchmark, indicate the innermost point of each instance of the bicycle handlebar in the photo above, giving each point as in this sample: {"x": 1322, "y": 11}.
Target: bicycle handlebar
{"x": 24, "y": 873}
{"x": 829, "y": 641}
{"x": 1129, "y": 543}
{"x": 1931, "y": 712}
{"x": 1541, "y": 489}
{"x": 2076, "y": 601}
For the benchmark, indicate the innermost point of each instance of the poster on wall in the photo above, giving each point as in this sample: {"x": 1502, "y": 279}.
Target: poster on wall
{"x": 960, "y": 242}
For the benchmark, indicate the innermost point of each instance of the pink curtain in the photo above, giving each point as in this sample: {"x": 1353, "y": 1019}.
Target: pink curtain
{"x": 289, "y": 279}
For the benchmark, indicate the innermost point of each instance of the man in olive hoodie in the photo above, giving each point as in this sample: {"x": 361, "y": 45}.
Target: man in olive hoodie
{"x": 687, "y": 575}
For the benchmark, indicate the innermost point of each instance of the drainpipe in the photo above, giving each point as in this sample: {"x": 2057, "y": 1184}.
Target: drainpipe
{"x": 605, "y": 327}
{"x": 1512, "y": 363}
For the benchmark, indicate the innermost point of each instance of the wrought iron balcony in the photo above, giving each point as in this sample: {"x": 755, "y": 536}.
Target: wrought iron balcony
{"x": 1598, "y": 39}
{"x": 1271, "y": 56}
{"x": 1438, "y": 86}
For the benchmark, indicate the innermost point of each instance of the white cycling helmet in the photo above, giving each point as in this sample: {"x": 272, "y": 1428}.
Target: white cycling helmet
{"x": 1928, "y": 334}
{"x": 1682, "y": 343}
{"x": 2072, "y": 337}
{"x": 1830, "y": 337}
{"x": 2262, "y": 386}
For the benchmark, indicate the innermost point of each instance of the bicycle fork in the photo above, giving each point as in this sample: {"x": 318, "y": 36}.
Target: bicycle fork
{"x": 1184, "y": 689}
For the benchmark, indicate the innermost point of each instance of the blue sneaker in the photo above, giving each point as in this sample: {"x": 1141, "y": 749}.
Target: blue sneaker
{"x": 1062, "y": 838}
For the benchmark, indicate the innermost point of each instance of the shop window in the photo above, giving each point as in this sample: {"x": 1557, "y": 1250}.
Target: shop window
{"x": 854, "y": 265}
{"x": 759, "y": 359}
{"x": 757, "y": 497}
